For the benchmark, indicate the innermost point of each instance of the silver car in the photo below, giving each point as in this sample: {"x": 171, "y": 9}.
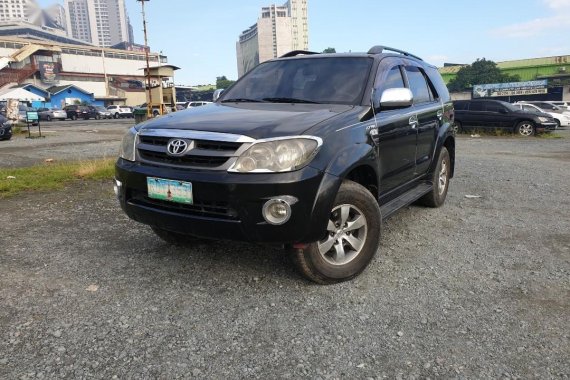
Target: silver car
{"x": 50, "y": 114}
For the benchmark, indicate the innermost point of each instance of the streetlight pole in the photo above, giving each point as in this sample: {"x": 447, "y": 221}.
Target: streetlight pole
{"x": 146, "y": 49}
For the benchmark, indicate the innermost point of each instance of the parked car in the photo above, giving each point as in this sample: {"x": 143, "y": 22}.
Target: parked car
{"x": 102, "y": 113}
{"x": 562, "y": 120}
{"x": 549, "y": 107}
{"x": 197, "y": 104}
{"x": 23, "y": 113}
{"x": 75, "y": 112}
{"x": 50, "y": 114}
{"x": 120, "y": 111}
{"x": 5, "y": 128}
{"x": 495, "y": 114}
{"x": 311, "y": 151}
{"x": 564, "y": 105}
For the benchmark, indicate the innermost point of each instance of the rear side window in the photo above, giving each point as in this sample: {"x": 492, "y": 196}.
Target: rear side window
{"x": 418, "y": 85}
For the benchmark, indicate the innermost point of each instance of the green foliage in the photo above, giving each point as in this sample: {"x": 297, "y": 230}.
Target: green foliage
{"x": 481, "y": 71}
{"x": 223, "y": 82}
{"x": 52, "y": 176}
{"x": 329, "y": 50}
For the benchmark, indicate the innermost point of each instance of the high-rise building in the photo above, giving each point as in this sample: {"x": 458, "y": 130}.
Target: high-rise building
{"x": 56, "y": 14}
{"x": 19, "y": 10}
{"x": 279, "y": 29}
{"x": 101, "y": 22}
{"x": 77, "y": 16}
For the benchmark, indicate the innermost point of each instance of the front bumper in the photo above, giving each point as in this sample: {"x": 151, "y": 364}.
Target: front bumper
{"x": 545, "y": 127}
{"x": 229, "y": 205}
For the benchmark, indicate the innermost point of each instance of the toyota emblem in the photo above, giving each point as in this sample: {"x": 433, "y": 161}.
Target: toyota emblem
{"x": 176, "y": 147}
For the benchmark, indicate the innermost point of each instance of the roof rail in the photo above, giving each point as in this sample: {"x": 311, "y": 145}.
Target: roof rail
{"x": 297, "y": 52}
{"x": 379, "y": 49}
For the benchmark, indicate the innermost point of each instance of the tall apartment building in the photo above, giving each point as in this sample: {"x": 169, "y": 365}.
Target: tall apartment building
{"x": 56, "y": 13}
{"x": 101, "y": 22}
{"x": 279, "y": 29}
{"x": 77, "y": 20}
{"x": 19, "y": 10}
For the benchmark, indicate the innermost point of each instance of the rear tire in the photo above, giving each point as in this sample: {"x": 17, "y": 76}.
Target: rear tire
{"x": 48, "y": 118}
{"x": 73, "y": 117}
{"x": 174, "y": 238}
{"x": 440, "y": 179}
{"x": 351, "y": 239}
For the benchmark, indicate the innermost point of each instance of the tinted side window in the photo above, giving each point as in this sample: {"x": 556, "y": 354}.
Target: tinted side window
{"x": 418, "y": 85}
{"x": 476, "y": 106}
{"x": 493, "y": 107}
{"x": 460, "y": 106}
{"x": 393, "y": 80}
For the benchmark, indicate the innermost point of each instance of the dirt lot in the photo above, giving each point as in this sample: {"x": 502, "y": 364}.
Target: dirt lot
{"x": 479, "y": 288}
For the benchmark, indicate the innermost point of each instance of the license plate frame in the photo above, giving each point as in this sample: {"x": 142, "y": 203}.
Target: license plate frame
{"x": 170, "y": 190}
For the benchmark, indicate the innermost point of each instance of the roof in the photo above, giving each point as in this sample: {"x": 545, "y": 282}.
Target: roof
{"x": 25, "y": 86}
{"x": 54, "y": 90}
{"x": 20, "y": 94}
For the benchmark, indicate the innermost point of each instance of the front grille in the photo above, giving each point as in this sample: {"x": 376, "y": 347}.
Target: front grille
{"x": 201, "y": 161}
{"x": 212, "y": 209}
{"x": 205, "y": 153}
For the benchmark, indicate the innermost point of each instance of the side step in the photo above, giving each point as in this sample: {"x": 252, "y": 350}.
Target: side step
{"x": 405, "y": 199}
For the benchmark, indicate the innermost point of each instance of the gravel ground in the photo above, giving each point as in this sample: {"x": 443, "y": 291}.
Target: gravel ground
{"x": 479, "y": 288}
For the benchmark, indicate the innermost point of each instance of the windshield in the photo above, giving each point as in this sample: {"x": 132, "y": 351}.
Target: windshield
{"x": 337, "y": 80}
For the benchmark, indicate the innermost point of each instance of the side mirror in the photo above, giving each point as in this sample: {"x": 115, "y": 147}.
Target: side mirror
{"x": 217, "y": 94}
{"x": 396, "y": 98}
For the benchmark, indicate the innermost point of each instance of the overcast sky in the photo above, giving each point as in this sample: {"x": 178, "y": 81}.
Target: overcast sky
{"x": 200, "y": 36}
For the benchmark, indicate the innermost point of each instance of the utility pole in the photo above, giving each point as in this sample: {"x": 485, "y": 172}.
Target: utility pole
{"x": 146, "y": 49}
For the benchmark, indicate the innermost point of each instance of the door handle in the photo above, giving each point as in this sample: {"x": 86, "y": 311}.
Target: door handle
{"x": 440, "y": 115}
{"x": 413, "y": 121}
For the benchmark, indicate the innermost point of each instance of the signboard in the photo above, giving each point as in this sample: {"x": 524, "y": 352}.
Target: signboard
{"x": 32, "y": 116}
{"x": 48, "y": 72}
{"x": 532, "y": 87}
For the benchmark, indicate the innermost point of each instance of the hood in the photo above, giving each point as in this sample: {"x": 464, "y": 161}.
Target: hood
{"x": 256, "y": 120}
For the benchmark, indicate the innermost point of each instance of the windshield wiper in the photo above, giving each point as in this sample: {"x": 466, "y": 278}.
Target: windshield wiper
{"x": 289, "y": 100}
{"x": 241, "y": 100}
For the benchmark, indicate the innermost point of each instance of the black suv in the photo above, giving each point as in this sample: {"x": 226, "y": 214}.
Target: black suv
{"x": 75, "y": 112}
{"x": 311, "y": 151}
{"x": 495, "y": 114}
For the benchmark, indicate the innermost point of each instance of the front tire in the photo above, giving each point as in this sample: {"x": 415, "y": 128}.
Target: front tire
{"x": 173, "y": 238}
{"x": 116, "y": 115}
{"x": 525, "y": 128}
{"x": 351, "y": 239}
{"x": 440, "y": 179}
{"x": 48, "y": 118}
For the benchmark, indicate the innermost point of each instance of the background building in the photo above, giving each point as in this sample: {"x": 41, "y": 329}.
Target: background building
{"x": 100, "y": 22}
{"x": 278, "y": 30}
{"x": 21, "y": 10}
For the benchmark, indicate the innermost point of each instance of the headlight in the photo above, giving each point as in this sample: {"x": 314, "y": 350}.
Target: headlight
{"x": 277, "y": 155}
{"x": 128, "y": 145}
{"x": 543, "y": 119}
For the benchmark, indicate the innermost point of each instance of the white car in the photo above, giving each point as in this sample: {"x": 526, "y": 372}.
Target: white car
{"x": 561, "y": 104}
{"x": 120, "y": 111}
{"x": 562, "y": 117}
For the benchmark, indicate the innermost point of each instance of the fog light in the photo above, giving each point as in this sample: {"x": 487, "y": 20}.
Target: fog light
{"x": 117, "y": 187}
{"x": 276, "y": 211}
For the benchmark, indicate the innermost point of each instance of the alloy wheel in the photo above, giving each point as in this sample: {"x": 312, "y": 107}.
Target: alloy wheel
{"x": 346, "y": 235}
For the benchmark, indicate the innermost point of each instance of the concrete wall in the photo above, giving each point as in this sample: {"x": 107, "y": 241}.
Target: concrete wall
{"x": 95, "y": 65}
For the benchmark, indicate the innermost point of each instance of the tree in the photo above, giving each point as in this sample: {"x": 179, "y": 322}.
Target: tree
{"x": 223, "y": 82}
{"x": 481, "y": 71}
{"x": 329, "y": 50}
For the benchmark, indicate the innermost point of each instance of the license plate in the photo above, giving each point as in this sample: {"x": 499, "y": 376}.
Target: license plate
{"x": 169, "y": 190}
